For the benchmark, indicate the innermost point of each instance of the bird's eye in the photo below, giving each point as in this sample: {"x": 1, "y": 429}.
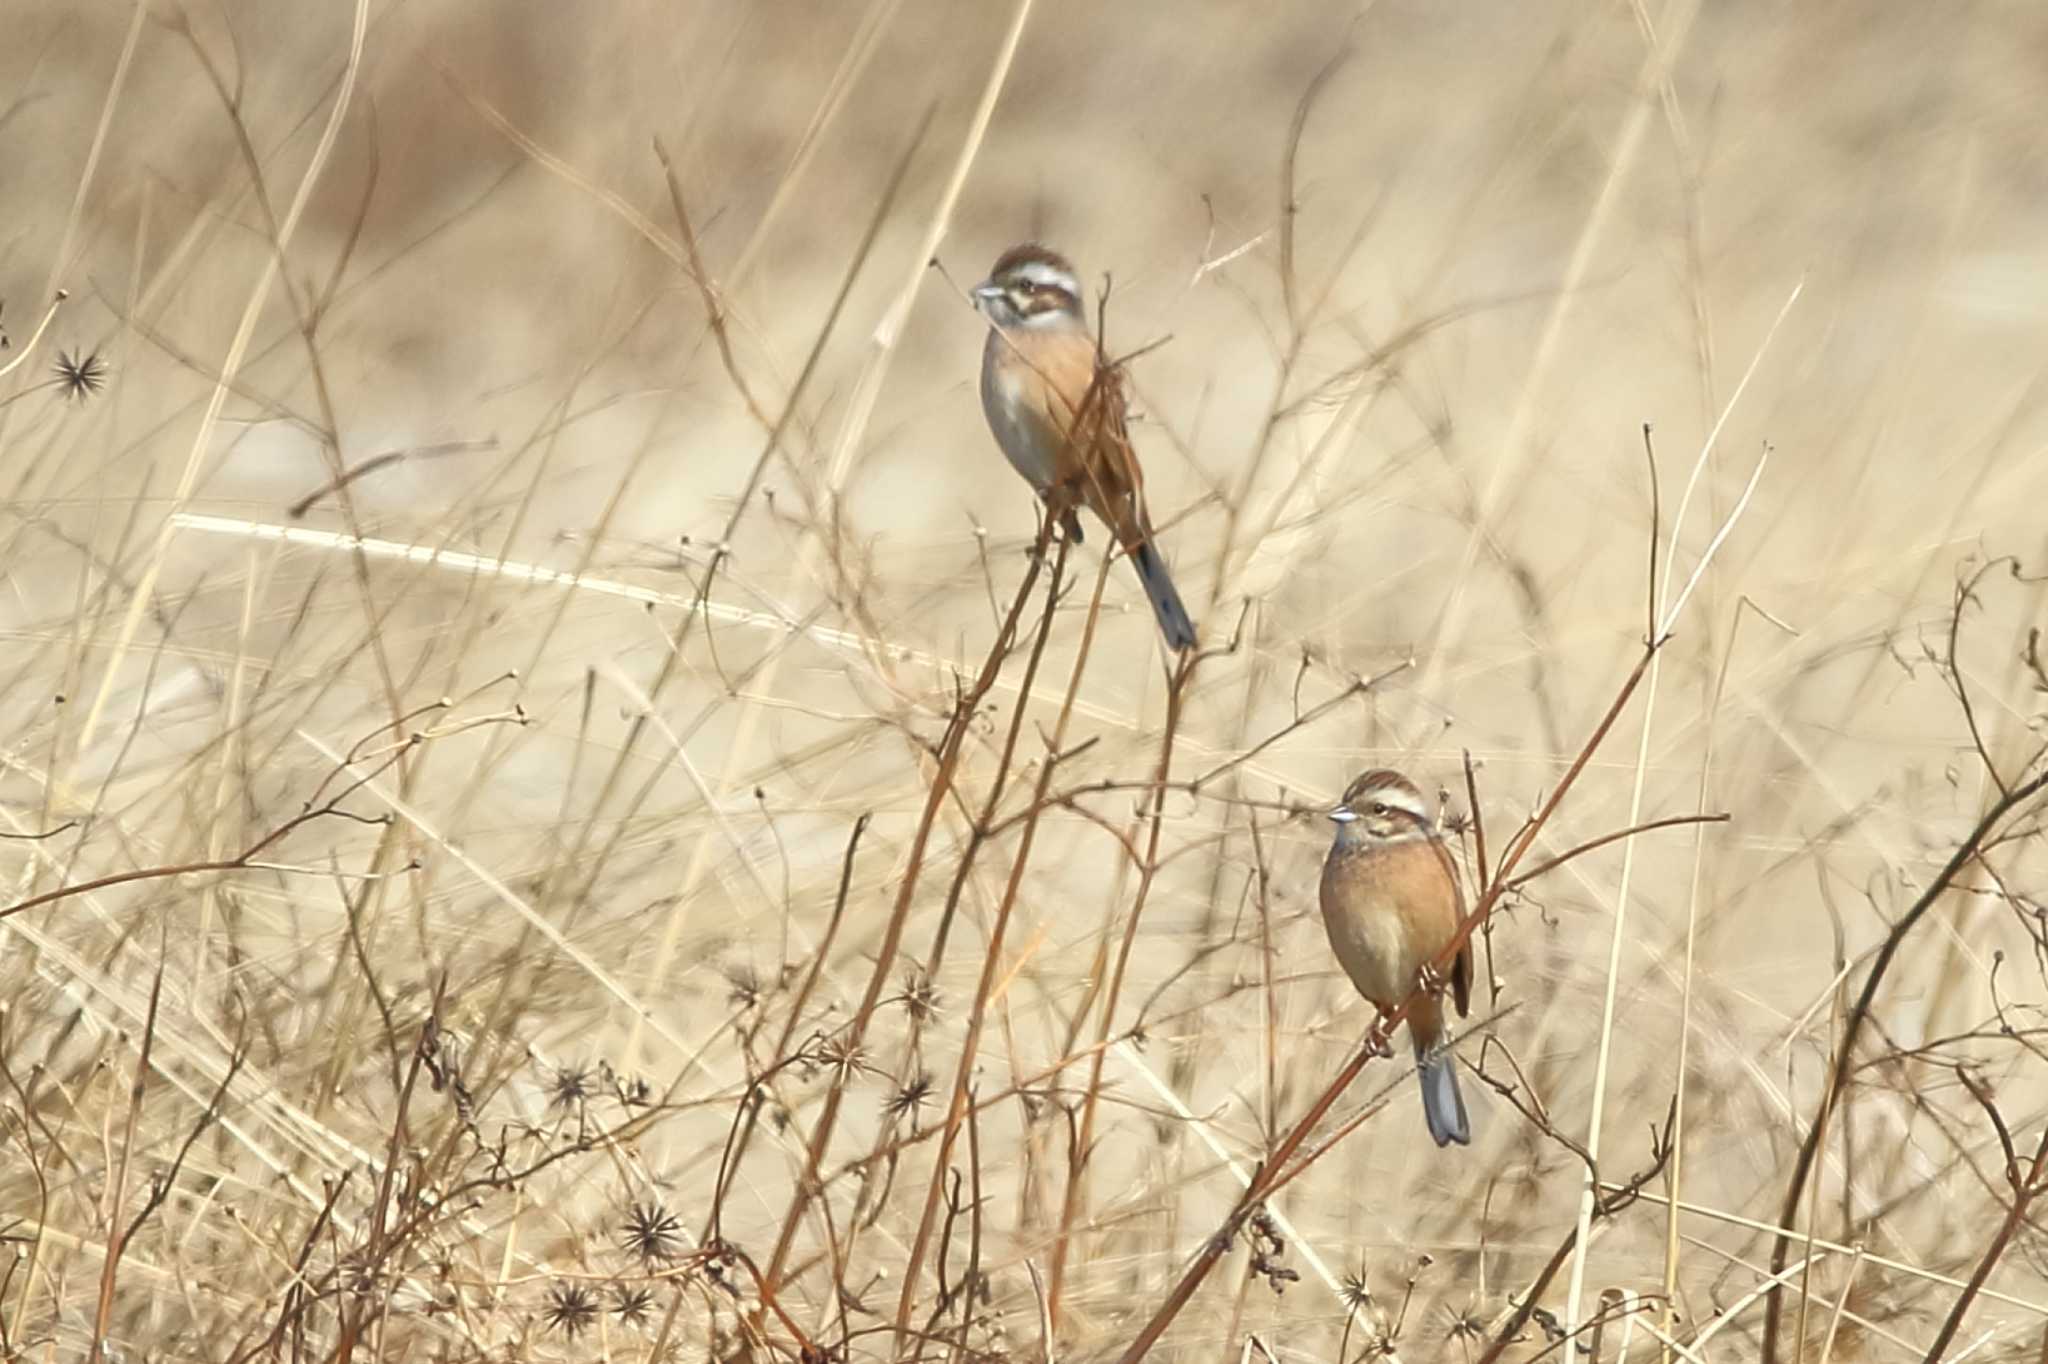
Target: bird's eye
{"x": 1379, "y": 808}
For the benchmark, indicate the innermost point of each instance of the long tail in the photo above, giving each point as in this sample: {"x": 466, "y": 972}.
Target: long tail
{"x": 1443, "y": 1107}
{"x": 1173, "y": 617}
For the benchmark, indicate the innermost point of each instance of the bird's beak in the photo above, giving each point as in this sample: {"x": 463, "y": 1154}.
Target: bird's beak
{"x": 1343, "y": 814}
{"x": 986, "y": 293}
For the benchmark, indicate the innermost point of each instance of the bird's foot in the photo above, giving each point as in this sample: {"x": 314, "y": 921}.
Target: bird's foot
{"x": 1379, "y": 1039}
{"x": 1430, "y": 980}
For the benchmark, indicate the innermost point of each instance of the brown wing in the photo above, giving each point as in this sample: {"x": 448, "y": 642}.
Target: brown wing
{"x": 1461, "y": 969}
{"x": 1101, "y": 463}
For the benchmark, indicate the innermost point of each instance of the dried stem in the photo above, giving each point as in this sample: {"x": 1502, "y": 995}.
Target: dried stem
{"x": 947, "y": 763}
{"x": 1840, "y": 1067}
{"x": 1276, "y": 1166}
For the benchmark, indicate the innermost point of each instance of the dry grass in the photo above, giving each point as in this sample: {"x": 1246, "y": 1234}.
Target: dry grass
{"x": 556, "y": 807}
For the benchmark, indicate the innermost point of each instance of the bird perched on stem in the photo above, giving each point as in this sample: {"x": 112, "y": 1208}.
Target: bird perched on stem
{"x": 1391, "y": 903}
{"x": 1056, "y": 406}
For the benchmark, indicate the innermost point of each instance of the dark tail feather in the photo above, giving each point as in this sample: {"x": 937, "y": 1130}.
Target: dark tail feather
{"x": 1443, "y": 1107}
{"x": 1071, "y": 524}
{"x": 1173, "y": 617}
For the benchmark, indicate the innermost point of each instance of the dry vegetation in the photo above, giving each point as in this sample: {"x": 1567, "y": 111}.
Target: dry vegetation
{"x": 555, "y": 804}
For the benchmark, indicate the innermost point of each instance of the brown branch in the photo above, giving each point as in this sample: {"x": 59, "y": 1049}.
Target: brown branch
{"x": 983, "y": 827}
{"x": 47, "y": 833}
{"x": 117, "y": 1240}
{"x": 1966, "y": 592}
{"x": 1670, "y": 822}
{"x": 744, "y": 1120}
{"x": 328, "y": 808}
{"x": 1359, "y": 686}
{"x": 992, "y": 956}
{"x": 948, "y": 760}
{"x": 1983, "y": 1098}
{"x": 300, "y": 1294}
{"x": 715, "y": 311}
{"x": 365, "y": 467}
{"x": 1077, "y": 1160}
{"x": 1530, "y": 1108}
{"x": 1262, "y": 1183}
{"x": 773, "y": 446}
{"x": 2024, "y": 1192}
{"x": 163, "y": 1181}
{"x": 1859, "y": 1013}
{"x": 1656, "y": 512}
{"x": 1290, "y": 205}
{"x": 1614, "y": 1201}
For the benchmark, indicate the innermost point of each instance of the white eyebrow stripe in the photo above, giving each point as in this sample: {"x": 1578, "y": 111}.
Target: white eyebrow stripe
{"x": 1398, "y": 798}
{"x": 1049, "y": 276}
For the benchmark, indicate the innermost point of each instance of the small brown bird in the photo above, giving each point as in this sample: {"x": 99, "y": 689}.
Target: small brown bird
{"x": 1391, "y": 903}
{"x": 1058, "y": 413}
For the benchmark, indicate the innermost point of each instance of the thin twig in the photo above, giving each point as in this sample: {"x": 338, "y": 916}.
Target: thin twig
{"x": 1852, "y": 1031}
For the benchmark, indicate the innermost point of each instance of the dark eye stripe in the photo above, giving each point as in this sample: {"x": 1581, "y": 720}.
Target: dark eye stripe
{"x": 1035, "y": 298}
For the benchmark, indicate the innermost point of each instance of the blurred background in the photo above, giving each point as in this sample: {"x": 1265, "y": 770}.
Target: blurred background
{"x": 540, "y": 359}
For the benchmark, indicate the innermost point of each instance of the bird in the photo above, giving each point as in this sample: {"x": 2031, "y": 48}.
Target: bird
{"x": 1056, "y": 408}
{"x": 1391, "y": 904}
